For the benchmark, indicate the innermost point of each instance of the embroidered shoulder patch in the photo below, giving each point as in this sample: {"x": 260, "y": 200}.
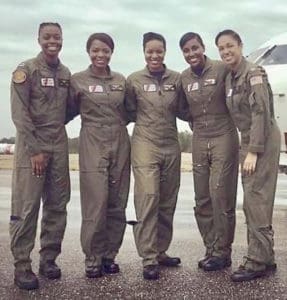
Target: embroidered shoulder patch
{"x": 256, "y": 80}
{"x": 19, "y": 76}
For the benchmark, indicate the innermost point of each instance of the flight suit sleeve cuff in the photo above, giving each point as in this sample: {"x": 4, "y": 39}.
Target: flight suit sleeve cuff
{"x": 256, "y": 148}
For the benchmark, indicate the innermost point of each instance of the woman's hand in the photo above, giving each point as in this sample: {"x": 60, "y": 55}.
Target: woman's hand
{"x": 39, "y": 164}
{"x": 249, "y": 164}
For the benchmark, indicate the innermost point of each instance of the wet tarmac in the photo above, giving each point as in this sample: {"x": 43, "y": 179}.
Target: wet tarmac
{"x": 184, "y": 282}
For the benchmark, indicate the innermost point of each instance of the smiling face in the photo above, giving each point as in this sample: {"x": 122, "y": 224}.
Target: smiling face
{"x": 50, "y": 39}
{"x": 100, "y": 54}
{"x": 230, "y": 51}
{"x": 193, "y": 52}
{"x": 154, "y": 53}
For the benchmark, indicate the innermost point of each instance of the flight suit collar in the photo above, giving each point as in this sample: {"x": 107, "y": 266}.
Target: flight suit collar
{"x": 43, "y": 63}
{"x": 241, "y": 69}
{"x": 148, "y": 74}
{"x": 92, "y": 74}
{"x": 207, "y": 66}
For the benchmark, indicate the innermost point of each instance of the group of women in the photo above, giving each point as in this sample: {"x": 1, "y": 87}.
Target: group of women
{"x": 216, "y": 98}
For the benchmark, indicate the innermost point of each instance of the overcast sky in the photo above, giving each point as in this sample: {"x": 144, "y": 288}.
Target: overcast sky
{"x": 126, "y": 21}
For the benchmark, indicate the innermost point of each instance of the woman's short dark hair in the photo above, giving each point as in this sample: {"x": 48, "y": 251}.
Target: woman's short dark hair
{"x": 44, "y": 24}
{"x": 149, "y": 36}
{"x": 188, "y": 36}
{"x": 103, "y": 37}
{"x": 230, "y": 32}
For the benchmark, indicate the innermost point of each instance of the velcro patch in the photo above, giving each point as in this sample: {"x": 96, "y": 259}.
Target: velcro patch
{"x": 116, "y": 87}
{"x": 256, "y": 80}
{"x": 47, "y": 81}
{"x": 149, "y": 87}
{"x": 96, "y": 88}
{"x": 229, "y": 94}
{"x": 64, "y": 82}
{"x": 19, "y": 76}
{"x": 211, "y": 81}
{"x": 169, "y": 87}
{"x": 193, "y": 87}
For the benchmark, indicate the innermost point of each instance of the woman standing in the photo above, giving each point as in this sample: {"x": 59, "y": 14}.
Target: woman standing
{"x": 98, "y": 96}
{"x": 152, "y": 103}
{"x": 214, "y": 152}
{"x": 39, "y": 94}
{"x": 250, "y": 102}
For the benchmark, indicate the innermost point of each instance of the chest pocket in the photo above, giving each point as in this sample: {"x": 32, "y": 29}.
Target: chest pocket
{"x": 203, "y": 89}
{"x": 117, "y": 94}
{"x": 104, "y": 97}
{"x": 43, "y": 91}
{"x": 209, "y": 86}
{"x": 147, "y": 95}
{"x": 235, "y": 102}
{"x": 63, "y": 85}
{"x": 170, "y": 95}
{"x": 193, "y": 91}
{"x": 95, "y": 94}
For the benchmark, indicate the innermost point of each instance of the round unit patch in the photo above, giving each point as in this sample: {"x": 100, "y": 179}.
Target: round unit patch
{"x": 19, "y": 76}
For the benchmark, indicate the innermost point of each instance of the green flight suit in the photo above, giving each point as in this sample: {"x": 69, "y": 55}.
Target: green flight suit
{"x": 104, "y": 157}
{"x": 38, "y": 104}
{"x": 215, "y": 157}
{"x": 250, "y": 102}
{"x": 155, "y": 156}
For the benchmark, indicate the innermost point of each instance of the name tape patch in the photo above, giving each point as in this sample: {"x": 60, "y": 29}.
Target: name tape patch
{"x": 229, "y": 94}
{"x": 149, "y": 87}
{"x": 96, "y": 88}
{"x": 47, "y": 81}
{"x": 193, "y": 87}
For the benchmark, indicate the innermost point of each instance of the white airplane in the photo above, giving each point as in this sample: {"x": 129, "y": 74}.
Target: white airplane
{"x": 272, "y": 55}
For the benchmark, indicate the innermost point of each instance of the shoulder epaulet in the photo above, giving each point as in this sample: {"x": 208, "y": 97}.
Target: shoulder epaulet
{"x": 255, "y": 75}
{"x": 256, "y": 70}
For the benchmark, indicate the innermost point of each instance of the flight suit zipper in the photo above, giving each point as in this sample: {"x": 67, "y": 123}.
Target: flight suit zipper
{"x": 201, "y": 80}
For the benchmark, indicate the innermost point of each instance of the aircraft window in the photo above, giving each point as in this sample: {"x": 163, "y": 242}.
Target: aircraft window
{"x": 253, "y": 56}
{"x": 277, "y": 56}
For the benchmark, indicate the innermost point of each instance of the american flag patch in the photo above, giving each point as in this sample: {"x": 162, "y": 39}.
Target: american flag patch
{"x": 256, "y": 80}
